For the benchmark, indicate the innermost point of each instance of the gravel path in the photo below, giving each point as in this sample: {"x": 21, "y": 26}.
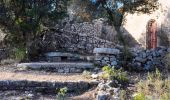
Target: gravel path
{"x": 10, "y": 72}
{"x": 36, "y": 77}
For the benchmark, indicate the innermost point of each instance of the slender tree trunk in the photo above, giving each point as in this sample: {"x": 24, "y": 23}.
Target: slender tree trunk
{"x": 116, "y": 20}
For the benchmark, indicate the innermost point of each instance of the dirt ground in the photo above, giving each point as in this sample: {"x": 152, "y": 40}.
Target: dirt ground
{"x": 10, "y": 72}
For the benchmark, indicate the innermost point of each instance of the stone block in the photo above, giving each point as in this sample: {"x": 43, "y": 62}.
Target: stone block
{"x": 98, "y": 58}
{"x": 56, "y": 59}
{"x": 60, "y": 71}
{"x": 66, "y": 70}
{"x": 114, "y": 63}
{"x": 72, "y": 70}
{"x": 109, "y": 51}
{"x": 113, "y": 58}
{"x": 106, "y": 58}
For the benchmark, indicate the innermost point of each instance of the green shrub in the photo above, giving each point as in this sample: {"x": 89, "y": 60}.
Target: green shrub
{"x": 154, "y": 76}
{"x": 139, "y": 96}
{"x": 19, "y": 53}
{"x": 111, "y": 73}
{"x": 62, "y": 93}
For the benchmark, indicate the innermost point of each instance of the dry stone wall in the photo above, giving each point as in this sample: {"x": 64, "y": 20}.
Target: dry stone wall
{"x": 44, "y": 86}
{"x": 90, "y": 35}
{"x": 79, "y": 37}
{"x": 142, "y": 60}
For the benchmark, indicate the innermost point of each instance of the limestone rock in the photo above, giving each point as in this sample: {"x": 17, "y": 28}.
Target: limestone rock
{"x": 168, "y": 49}
{"x": 102, "y": 95}
{"x": 106, "y": 51}
{"x": 94, "y": 76}
{"x": 113, "y": 63}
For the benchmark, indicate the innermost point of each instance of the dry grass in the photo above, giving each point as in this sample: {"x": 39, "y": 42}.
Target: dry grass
{"x": 154, "y": 88}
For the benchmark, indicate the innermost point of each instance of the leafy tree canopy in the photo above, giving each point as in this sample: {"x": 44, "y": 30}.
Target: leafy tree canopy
{"x": 114, "y": 9}
{"x": 26, "y": 18}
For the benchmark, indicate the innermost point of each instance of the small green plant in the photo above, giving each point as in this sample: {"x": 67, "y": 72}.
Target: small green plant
{"x": 86, "y": 74}
{"x": 139, "y": 96}
{"x": 154, "y": 76}
{"x": 111, "y": 73}
{"x": 62, "y": 94}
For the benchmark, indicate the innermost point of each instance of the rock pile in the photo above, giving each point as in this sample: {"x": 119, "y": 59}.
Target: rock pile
{"x": 142, "y": 60}
{"x": 149, "y": 59}
{"x": 108, "y": 90}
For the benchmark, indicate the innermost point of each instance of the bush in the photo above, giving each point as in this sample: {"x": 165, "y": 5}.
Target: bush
{"x": 62, "y": 93}
{"x": 139, "y": 96}
{"x": 113, "y": 74}
{"x": 154, "y": 87}
{"x": 19, "y": 53}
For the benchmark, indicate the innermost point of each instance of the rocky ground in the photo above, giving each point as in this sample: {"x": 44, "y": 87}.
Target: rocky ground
{"x": 11, "y": 72}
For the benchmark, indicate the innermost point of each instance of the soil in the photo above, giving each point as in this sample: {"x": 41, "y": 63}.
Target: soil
{"x": 10, "y": 72}
{"x": 28, "y": 95}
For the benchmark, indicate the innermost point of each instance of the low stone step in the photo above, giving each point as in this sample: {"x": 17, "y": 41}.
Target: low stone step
{"x": 60, "y": 56}
{"x": 60, "y": 67}
{"x": 43, "y": 83}
{"x": 44, "y": 86}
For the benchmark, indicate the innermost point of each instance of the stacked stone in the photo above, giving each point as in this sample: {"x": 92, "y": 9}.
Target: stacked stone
{"x": 106, "y": 56}
{"x": 61, "y": 67}
{"x": 149, "y": 59}
{"x": 76, "y": 37}
{"x": 141, "y": 59}
{"x": 61, "y": 56}
{"x": 45, "y": 86}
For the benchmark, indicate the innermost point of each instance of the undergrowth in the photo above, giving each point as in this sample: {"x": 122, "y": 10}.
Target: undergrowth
{"x": 114, "y": 74}
{"x": 153, "y": 88}
{"x": 62, "y": 93}
{"x": 18, "y": 53}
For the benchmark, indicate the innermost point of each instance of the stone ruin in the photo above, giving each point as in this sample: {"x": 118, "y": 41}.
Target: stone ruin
{"x": 141, "y": 59}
